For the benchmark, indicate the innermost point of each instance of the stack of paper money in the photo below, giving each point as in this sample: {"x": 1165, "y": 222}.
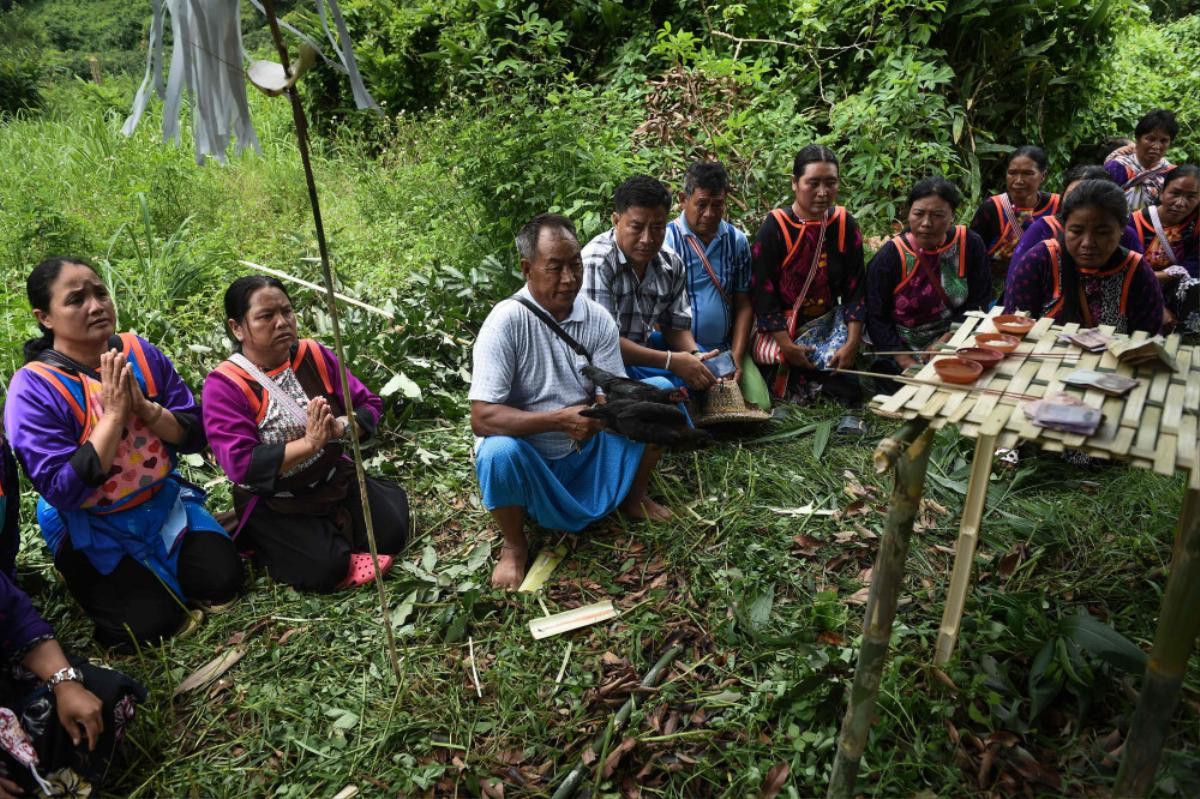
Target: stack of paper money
{"x": 1135, "y": 353}
{"x": 1090, "y": 339}
{"x": 1064, "y": 413}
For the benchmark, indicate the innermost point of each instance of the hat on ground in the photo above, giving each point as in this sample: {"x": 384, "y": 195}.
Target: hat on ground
{"x": 723, "y": 403}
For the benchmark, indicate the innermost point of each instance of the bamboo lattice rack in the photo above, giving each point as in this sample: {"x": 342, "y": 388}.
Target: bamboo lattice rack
{"x": 1153, "y": 427}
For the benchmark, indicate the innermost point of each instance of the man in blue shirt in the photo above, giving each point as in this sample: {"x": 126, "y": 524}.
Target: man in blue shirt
{"x": 717, "y": 257}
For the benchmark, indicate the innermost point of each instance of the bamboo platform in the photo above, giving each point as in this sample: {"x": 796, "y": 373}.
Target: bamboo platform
{"x": 1155, "y": 426}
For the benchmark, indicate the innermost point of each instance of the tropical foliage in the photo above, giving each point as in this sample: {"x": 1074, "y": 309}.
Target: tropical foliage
{"x": 498, "y": 110}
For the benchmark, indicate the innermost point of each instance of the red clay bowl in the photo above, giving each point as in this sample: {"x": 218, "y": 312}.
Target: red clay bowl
{"x": 1013, "y": 325}
{"x": 984, "y": 356}
{"x": 1000, "y": 342}
{"x": 958, "y": 370}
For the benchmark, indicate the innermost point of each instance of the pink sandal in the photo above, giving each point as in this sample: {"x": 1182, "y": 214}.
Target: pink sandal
{"x": 362, "y": 571}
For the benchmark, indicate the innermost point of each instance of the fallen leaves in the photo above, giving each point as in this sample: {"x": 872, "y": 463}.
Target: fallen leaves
{"x": 774, "y": 781}
{"x": 211, "y": 670}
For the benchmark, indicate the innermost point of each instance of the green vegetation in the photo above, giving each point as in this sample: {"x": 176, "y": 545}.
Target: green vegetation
{"x": 500, "y": 110}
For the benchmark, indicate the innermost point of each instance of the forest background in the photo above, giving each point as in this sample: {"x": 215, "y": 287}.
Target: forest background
{"x": 495, "y": 111}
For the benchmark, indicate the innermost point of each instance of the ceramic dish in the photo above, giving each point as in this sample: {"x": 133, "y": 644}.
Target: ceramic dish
{"x": 1000, "y": 342}
{"x": 984, "y": 356}
{"x": 957, "y": 370}
{"x": 1013, "y": 325}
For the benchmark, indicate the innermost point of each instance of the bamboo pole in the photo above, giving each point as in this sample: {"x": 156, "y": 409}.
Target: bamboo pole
{"x": 571, "y": 784}
{"x": 909, "y": 450}
{"x": 968, "y": 535}
{"x": 917, "y": 381}
{"x": 1178, "y": 625}
{"x": 331, "y": 300}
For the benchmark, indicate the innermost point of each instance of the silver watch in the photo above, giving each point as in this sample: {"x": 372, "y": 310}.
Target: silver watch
{"x": 69, "y": 674}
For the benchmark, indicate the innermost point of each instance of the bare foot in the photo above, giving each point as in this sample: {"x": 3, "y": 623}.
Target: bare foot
{"x": 510, "y": 571}
{"x": 645, "y": 508}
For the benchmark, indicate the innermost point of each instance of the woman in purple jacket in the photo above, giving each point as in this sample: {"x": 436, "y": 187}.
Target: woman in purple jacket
{"x": 275, "y": 418}
{"x": 97, "y": 421}
{"x": 55, "y": 712}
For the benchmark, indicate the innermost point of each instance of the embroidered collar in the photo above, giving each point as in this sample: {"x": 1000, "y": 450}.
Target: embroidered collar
{"x": 1116, "y": 263}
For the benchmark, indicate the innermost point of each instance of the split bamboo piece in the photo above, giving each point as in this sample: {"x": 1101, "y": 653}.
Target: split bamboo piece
{"x": 568, "y": 620}
{"x": 908, "y": 451}
{"x": 543, "y": 566}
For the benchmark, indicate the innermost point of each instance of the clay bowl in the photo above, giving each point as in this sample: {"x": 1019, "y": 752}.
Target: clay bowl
{"x": 1013, "y": 325}
{"x": 1000, "y": 342}
{"x": 958, "y": 370}
{"x": 985, "y": 357}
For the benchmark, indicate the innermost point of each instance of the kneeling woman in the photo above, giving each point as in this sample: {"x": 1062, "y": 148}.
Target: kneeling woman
{"x": 925, "y": 279}
{"x": 1086, "y": 276}
{"x": 1169, "y": 235}
{"x": 97, "y": 421}
{"x": 1003, "y": 218}
{"x": 807, "y": 287}
{"x": 274, "y": 415}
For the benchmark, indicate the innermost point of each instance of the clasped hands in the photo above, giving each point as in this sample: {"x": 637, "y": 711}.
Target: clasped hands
{"x": 322, "y": 426}
{"x": 121, "y": 394}
{"x": 843, "y": 357}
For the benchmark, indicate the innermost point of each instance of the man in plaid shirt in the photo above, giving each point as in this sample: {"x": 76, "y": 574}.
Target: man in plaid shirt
{"x": 627, "y": 271}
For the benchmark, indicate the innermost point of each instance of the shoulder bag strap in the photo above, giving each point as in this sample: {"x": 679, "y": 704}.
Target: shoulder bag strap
{"x": 1146, "y": 174}
{"x": 1152, "y": 212}
{"x": 712, "y": 274}
{"x": 1010, "y": 214}
{"x": 554, "y": 327}
{"x": 274, "y": 389}
{"x": 794, "y": 322}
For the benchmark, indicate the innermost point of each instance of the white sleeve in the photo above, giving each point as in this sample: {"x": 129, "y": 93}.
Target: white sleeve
{"x": 493, "y": 358}
{"x": 607, "y": 352}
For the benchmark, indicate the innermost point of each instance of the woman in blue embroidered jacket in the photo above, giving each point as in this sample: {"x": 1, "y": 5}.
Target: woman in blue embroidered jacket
{"x": 97, "y": 421}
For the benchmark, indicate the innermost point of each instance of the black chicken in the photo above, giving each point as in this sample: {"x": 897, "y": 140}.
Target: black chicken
{"x": 622, "y": 388}
{"x": 649, "y": 422}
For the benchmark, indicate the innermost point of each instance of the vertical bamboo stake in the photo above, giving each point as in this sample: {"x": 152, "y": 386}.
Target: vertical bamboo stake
{"x": 908, "y": 450}
{"x": 1178, "y": 625}
{"x": 331, "y": 298}
{"x": 968, "y": 534}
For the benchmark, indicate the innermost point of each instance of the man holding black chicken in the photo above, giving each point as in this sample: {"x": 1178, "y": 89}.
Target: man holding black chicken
{"x": 537, "y": 454}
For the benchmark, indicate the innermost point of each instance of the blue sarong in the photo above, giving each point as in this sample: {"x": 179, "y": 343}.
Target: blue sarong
{"x": 151, "y": 533}
{"x": 560, "y": 494}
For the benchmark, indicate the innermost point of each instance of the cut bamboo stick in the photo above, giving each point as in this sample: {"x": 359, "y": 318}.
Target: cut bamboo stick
{"x": 572, "y": 619}
{"x": 951, "y": 352}
{"x": 301, "y": 123}
{"x": 909, "y": 451}
{"x": 916, "y": 381}
{"x": 652, "y": 678}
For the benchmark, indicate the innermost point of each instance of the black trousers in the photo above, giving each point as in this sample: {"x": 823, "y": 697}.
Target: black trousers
{"x": 132, "y": 605}
{"x": 310, "y": 553}
{"x": 35, "y": 707}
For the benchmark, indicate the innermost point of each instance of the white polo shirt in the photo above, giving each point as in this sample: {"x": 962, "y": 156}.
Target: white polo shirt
{"x": 519, "y": 361}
